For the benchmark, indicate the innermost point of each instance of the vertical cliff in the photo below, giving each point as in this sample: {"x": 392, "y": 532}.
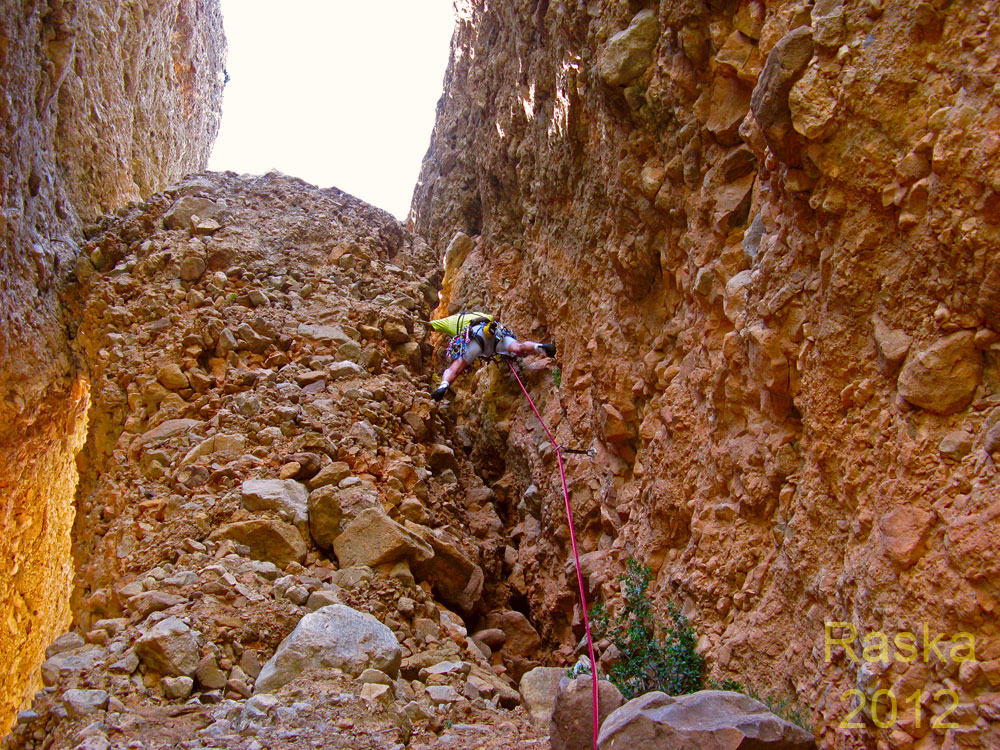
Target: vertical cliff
{"x": 101, "y": 104}
{"x": 764, "y": 238}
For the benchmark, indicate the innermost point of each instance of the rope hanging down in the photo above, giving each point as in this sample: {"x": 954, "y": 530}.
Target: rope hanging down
{"x": 572, "y": 536}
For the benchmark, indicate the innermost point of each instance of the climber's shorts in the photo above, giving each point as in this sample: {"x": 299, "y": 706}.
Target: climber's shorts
{"x": 473, "y": 350}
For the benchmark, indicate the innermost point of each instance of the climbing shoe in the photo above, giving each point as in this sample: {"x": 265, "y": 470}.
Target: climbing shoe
{"x": 438, "y": 393}
{"x": 549, "y": 349}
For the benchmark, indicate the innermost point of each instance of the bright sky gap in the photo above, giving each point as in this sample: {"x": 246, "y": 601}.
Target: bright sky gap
{"x": 337, "y": 92}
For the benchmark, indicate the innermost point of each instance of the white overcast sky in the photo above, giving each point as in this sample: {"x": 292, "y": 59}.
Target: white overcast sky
{"x": 338, "y": 92}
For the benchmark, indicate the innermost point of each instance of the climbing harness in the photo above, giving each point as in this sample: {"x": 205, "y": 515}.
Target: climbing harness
{"x": 460, "y": 343}
{"x": 572, "y": 536}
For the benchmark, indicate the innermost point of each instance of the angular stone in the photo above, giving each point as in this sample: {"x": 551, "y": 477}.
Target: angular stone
{"x": 274, "y": 541}
{"x": 222, "y": 447}
{"x": 322, "y": 598}
{"x": 84, "y": 702}
{"x": 893, "y": 346}
{"x": 813, "y": 104}
{"x": 616, "y": 429}
{"x": 288, "y": 498}
{"x": 538, "y": 688}
{"x": 169, "y": 647}
{"x": 441, "y": 457}
{"x": 373, "y": 538}
{"x": 737, "y": 288}
{"x": 728, "y": 103}
{"x": 326, "y": 333}
{"x": 442, "y": 694}
{"x": 955, "y": 445}
{"x": 345, "y": 369}
{"x": 571, "y": 727}
{"x": 706, "y": 720}
{"x": 177, "y": 688}
{"x": 68, "y": 663}
{"x": 742, "y": 56}
{"x": 331, "y": 474}
{"x": 332, "y": 637}
{"x": 331, "y": 508}
{"x": 209, "y": 675}
{"x": 769, "y": 101}
{"x": 732, "y": 202}
{"x": 172, "y": 377}
{"x": 65, "y": 642}
{"x": 179, "y": 215}
{"x": 943, "y": 377}
{"x": 904, "y": 532}
{"x": 144, "y": 604}
{"x": 192, "y": 267}
{"x": 521, "y": 637}
{"x": 629, "y": 52}
{"x": 373, "y": 692}
{"x": 395, "y": 332}
{"x": 828, "y": 22}
{"x": 325, "y": 515}
{"x": 456, "y": 578}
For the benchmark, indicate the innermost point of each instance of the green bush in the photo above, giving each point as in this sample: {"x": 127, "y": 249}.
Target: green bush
{"x": 653, "y": 656}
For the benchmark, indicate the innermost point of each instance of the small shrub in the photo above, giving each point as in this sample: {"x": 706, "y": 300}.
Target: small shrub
{"x": 651, "y": 658}
{"x": 557, "y": 376}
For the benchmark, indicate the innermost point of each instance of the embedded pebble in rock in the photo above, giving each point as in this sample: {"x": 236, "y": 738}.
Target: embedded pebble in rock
{"x": 629, "y": 52}
{"x": 943, "y": 377}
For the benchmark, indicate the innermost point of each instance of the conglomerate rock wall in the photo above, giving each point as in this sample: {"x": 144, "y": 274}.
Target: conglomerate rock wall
{"x": 102, "y": 103}
{"x": 764, "y": 237}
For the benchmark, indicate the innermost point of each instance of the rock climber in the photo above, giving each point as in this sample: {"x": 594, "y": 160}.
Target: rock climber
{"x": 486, "y": 338}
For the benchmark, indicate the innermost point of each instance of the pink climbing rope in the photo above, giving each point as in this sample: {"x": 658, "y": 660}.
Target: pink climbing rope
{"x": 576, "y": 551}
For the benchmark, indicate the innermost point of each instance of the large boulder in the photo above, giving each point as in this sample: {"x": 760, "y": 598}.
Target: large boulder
{"x": 538, "y": 688}
{"x": 706, "y": 720}
{"x": 170, "y": 648}
{"x": 943, "y": 377}
{"x": 332, "y": 637}
{"x": 273, "y": 541}
{"x": 572, "y": 725}
{"x": 373, "y": 538}
{"x": 286, "y": 497}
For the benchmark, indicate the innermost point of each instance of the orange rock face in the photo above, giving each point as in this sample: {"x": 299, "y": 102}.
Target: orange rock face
{"x": 769, "y": 262}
